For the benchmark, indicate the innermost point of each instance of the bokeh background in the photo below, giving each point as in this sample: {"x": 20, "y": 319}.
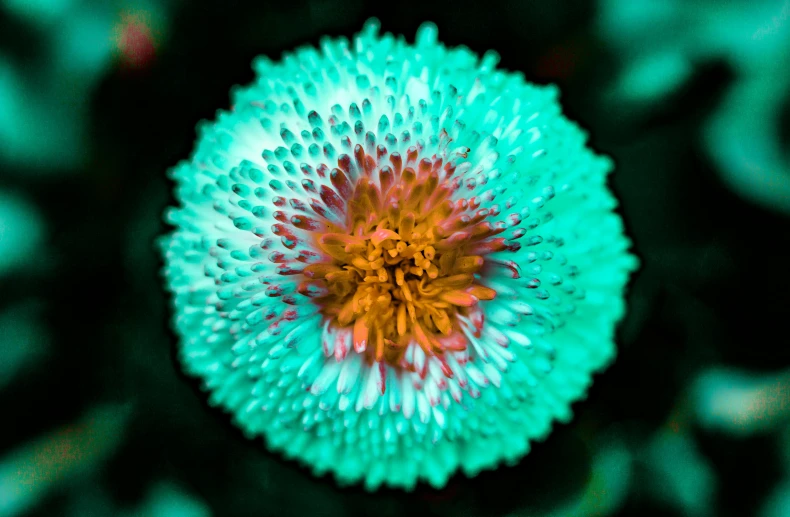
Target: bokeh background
{"x": 690, "y": 97}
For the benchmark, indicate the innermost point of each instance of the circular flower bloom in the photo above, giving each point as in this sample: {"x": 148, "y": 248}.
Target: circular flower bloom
{"x": 395, "y": 261}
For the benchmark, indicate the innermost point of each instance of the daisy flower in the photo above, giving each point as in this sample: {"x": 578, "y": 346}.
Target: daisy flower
{"x": 394, "y": 261}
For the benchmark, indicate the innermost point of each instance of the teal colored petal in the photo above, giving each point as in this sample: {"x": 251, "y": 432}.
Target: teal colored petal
{"x": 777, "y": 504}
{"x": 30, "y": 472}
{"x": 743, "y": 139}
{"x": 741, "y": 403}
{"x": 681, "y": 475}
{"x": 654, "y": 76}
{"x": 608, "y": 486}
{"x": 21, "y": 233}
{"x": 168, "y": 500}
{"x": 38, "y": 11}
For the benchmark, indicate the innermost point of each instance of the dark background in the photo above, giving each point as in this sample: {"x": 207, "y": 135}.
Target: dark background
{"x": 712, "y": 290}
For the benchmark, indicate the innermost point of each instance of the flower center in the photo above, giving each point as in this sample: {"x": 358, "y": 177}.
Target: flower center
{"x": 404, "y": 268}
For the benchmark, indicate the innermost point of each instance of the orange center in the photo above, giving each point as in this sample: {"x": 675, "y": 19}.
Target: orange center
{"x": 400, "y": 272}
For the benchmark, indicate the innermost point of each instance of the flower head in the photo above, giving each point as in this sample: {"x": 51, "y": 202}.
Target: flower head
{"x": 394, "y": 261}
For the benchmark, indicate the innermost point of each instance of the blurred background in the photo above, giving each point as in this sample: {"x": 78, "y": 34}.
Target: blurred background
{"x": 690, "y": 97}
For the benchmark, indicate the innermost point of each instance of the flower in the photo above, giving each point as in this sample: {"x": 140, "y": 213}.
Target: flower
{"x": 393, "y": 261}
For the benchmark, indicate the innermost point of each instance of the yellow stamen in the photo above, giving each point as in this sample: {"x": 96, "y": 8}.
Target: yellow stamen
{"x": 400, "y": 275}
